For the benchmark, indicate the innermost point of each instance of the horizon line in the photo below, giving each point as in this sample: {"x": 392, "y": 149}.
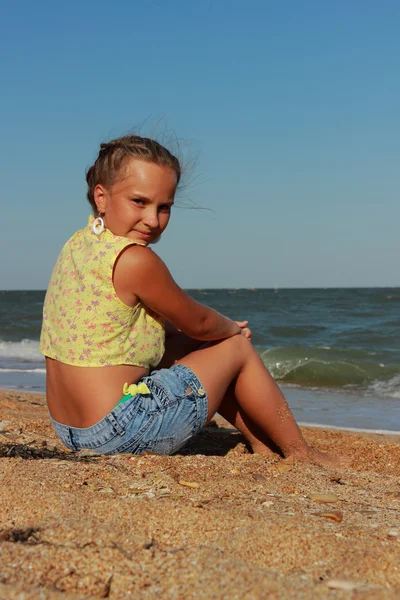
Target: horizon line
{"x": 253, "y": 288}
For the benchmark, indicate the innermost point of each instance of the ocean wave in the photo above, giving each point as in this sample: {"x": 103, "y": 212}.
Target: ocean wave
{"x": 393, "y": 297}
{"x": 299, "y": 331}
{"x": 389, "y": 388}
{"x": 23, "y": 351}
{"x": 318, "y": 367}
{"x": 39, "y": 371}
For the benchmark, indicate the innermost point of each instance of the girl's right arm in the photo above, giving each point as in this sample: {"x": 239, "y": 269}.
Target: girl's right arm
{"x": 147, "y": 278}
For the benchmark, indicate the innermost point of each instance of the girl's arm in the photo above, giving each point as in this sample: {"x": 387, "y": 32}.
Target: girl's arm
{"x": 148, "y": 278}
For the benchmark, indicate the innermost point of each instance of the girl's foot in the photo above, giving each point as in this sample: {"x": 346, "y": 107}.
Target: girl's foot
{"x": 323, "y": 459}
{"x": 311, "y": 455}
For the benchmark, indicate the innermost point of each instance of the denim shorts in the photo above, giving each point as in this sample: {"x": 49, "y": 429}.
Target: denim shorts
{"x": 161, "y": 422}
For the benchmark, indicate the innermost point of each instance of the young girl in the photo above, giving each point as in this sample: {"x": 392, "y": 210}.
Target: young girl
{"x": 113, "y": 313}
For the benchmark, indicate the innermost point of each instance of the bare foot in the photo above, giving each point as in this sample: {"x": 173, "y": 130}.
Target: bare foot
{"x": 323, "y": 459}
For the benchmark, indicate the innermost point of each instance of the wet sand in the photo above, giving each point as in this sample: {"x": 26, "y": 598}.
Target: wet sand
{"x": 214, "y": 521}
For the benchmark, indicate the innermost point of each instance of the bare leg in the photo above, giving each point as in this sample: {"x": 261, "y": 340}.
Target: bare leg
{"x": 259, "y": 398}
{"x": 179, "y": 345}
{"x": 231, "y": 411}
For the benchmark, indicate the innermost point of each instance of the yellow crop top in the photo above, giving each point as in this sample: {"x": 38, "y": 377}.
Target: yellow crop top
{"x": 84, "y": 321}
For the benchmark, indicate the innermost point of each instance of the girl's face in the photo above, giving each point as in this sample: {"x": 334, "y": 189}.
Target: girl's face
{"x": 138, "y": 205}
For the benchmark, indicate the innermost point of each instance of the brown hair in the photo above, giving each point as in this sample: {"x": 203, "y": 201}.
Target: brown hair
{"x": 114, "y": 154}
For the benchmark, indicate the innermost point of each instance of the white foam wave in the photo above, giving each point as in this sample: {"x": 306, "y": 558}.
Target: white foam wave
{"x": 389, "y": 388}
{"x": 24, "y": 351}
{"x": 22, "y": 370}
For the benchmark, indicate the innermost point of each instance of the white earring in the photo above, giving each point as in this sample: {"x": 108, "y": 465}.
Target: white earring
{"x": 98, "y": 226}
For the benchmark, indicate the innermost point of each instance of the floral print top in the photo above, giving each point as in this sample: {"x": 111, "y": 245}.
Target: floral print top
{"x": 84, "y": 322}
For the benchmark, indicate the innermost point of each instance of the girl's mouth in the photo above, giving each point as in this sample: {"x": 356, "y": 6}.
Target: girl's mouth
{"x": 145, "y": 235}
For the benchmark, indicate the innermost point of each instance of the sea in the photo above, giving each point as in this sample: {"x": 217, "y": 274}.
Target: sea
{"x": 334, "y": 352}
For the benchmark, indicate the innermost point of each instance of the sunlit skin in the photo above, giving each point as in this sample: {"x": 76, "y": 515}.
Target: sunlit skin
{"x": 138, "y": 206}
{"x": 217, "y": 349}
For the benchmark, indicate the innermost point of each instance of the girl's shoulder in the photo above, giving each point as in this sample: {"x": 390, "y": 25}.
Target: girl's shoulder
{"x": 137, "y": 261}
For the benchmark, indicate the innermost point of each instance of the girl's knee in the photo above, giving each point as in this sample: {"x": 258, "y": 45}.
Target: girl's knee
{"x": 234, "y": 350}
{"x": 242, "y": 345}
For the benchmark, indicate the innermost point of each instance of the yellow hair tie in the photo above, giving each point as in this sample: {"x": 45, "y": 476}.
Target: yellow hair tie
{"x": 135, "y": 389}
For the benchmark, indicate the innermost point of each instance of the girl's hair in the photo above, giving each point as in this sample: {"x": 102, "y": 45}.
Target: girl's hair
{"x": 115, "y": 154}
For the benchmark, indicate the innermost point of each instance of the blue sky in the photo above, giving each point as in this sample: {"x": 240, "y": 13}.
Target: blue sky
{"x": 290, "y": 111}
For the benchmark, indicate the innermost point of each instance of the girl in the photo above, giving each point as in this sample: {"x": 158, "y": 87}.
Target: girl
{"x": 113, "y": 313}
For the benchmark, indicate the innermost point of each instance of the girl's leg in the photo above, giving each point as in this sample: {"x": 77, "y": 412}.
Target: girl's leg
{"x": 235, "y": 361}
{"x": 180, "y": 345}
{"x": 231, "y": 411}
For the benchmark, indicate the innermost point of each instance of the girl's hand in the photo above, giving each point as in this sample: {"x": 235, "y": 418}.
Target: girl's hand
{"x": 245, "y": 330}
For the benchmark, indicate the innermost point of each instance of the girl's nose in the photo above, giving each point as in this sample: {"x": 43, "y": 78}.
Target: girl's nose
{"x": 151, "y": 219}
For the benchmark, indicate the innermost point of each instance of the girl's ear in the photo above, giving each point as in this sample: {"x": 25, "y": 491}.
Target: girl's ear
{"x": 100, "y": 198}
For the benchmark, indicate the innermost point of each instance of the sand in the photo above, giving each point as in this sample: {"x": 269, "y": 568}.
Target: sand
{"x": 214, "y": 521}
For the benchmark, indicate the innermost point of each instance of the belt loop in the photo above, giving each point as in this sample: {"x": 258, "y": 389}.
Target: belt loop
{"x": 117, "y": 427}
{"x": 194, "y": 384}
{"x": 70, "y": 438}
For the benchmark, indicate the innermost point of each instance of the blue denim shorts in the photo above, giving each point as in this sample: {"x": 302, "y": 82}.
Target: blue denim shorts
{"x": 161, "y": 422}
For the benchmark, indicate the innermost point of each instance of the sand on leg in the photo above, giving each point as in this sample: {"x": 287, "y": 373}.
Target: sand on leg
{"x": 234, "y": 360}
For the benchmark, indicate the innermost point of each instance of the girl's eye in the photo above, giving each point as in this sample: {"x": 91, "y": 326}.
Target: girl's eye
{"x": 138, "y": 201}
{"x": 165, "y": 208}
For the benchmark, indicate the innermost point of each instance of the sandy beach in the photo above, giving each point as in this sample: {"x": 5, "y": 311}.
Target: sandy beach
{"x": 214, "y": 521}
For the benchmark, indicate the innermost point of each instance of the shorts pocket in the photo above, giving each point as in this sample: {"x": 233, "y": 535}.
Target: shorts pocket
{"x": 133, "y": 444}
{"x": 97, "y": 440}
